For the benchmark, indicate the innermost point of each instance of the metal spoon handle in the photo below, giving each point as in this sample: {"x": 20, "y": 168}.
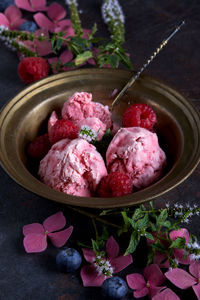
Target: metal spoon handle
{"x": 146, "y": 64}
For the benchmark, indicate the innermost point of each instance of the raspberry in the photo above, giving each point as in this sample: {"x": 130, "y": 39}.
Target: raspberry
{"x": 39, "y": 147}
{"x": 31, "y": 69}
{"x": 139, "y": 115}
{"x": 63, "y": 129}
{"x": 115, "y": 184}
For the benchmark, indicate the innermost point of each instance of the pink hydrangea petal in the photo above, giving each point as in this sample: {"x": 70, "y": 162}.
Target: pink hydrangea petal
{"x": 69, "y": 32}
{"x": 33, "y": 228}
{"x": 159, "y": 257}
{"x": 121, "y": 262}
{"x": 112, "y": 248}
{"x": 196, "y": 289}
{"x": 141, "y": 293}
{"x": 183, "y": 232}
{"x": 15, "y": 24}
{"x": 24, "y": 4}
{"x": 194, "y": 269}
{"x": 167, "y": 294}
{"x": 38, "y": 4}
{"x": 55, "y": 222}
{"x": 90, "y": 276}
{"x": 154, "y": 275}
{"x": 53, "y": 62}
{"x": 179, "y": 254}
{"x": 85, "y": 33}
{"x": 136, "y": 281}
{"x": 154, "y": 290}
{"x": 43, "y": 22}
{"x": 89, "y": 255}
{"x": 34, "y": 242}
{"x": 63, "y": 26}
{"x": 180, "y": 278}
{"x": 59, "y": 239}
{"x": 3, "y": 20}
{"x": 13, "y": 13}
{"x": 56, "y": 12}
{"x": 66, "y": 56}
{"x": 43, "y": 48}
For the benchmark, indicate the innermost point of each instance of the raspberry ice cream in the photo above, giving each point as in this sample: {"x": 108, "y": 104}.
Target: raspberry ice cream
{"x": 135, "y": 151}
{"x": 80, "y": 106}
{"x": 73, "y": 167}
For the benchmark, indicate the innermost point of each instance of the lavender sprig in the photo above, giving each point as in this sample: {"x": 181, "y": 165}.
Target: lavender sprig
{"x": 74, "y": 16}
{"x": 113, "y": 16}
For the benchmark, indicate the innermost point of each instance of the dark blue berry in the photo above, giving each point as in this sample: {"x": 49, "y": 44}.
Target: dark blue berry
{"x": 5, "y": 3}
{"x": 114, "y": 288}
{"x": 28, "y": 26}
{"x": 68, "y": 260}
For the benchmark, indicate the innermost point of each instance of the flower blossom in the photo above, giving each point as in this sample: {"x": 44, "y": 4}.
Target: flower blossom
{"x": 101, "y": 268}
{"x": 58, "y": 62}
{"x": 179, "y": 255}
{"x": 184, "y": 280}
{"x": 32, "y": 5}
{"x": 35, "y": 239}
{"x": 150, "y": 286}
{"x": 12, "y": 18}
{"x": 41, "y": 48}
{"x": 55, "y": 21}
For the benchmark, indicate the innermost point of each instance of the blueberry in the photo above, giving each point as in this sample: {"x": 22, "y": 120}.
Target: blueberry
{"x": 5, "y": 3}
{"x": 114, "y": 288}
{"x": 28, "y": 26}
{"x": 68, "y": 260}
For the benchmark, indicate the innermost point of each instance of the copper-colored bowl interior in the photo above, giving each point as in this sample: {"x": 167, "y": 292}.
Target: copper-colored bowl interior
{"x": 26, "y": 115}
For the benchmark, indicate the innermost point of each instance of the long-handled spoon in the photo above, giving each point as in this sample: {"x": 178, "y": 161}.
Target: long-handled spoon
{"x": 146, "y": 64}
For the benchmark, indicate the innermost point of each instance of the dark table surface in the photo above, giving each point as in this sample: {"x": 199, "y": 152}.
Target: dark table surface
{"x": 34, "y": 276}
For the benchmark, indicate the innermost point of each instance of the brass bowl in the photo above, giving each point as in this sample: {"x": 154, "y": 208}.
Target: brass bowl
{"x": 26, "y": 115}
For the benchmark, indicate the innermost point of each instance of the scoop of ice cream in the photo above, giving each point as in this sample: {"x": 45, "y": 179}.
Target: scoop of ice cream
{"x": 97, "y": 127}
{"x": 73, "y": 167}
{"x": 80, "y": 106}
{"x": 135, "y": 151}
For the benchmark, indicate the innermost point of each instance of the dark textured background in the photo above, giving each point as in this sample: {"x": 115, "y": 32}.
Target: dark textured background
{"x": 34, "y": 276}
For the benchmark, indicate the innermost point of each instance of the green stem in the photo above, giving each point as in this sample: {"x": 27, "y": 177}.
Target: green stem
{"x": 94, "y": 217}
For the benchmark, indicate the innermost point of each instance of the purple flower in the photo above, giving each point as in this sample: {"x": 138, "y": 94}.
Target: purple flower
{"x": 101, "y": 268}
{"x": 147, "y": 285}
{"x": 184, "y": 280}
{"x": 35, "y": 239}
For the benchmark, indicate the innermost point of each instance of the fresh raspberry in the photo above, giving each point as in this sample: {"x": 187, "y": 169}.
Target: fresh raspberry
{"x": 115, "y": 184}
{"x": 39, "y": 147}
{"x": 31, "y": 69}
{"x": 139, "y": 115}
{"x": 63, "y": 129}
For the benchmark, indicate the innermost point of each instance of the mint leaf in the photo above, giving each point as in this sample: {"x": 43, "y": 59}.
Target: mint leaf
{"x": 81, "y": 58}
{"x": 178, "y": 243}
{"x": 133, "y": 243}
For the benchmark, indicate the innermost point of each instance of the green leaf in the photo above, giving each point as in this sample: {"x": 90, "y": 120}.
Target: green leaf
{"x": 138, "y": 213}
{"x": 167, "y": 224}
{"x": 178, "y": 243}
{"x": 58, "y": 44}
{"x": 153, "y": 226}
{"x": 133, "y": 223}
{"x": 113, "y": 60}
{"x": 95, "y": 246}
{"x": 162, "y": 217}
{"x": 133, "y": 243}
{"x": 149, "y": 236}
{"x": 143, "y": 223}
{"x": 81, "y": 58}
{"x": 94, "y": 29}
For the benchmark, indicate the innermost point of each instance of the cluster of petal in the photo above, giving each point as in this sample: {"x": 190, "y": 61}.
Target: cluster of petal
{"x": 55, "y": 21}
{"x": 184, "y": 280}
{"x": 35, "y": 239}
{"x": 89, "y": 274}
{"x": 32, "y": 5}
{"x": 150, "y": 284}
{"x": 12, "y": 18}
{"x": 179, "y": 254}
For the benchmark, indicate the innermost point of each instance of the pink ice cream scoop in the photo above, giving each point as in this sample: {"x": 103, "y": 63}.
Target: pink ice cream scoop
{"x": 73, "y": 167}
{"x": 80, "y": 106}
{"x": 135, "y": 151}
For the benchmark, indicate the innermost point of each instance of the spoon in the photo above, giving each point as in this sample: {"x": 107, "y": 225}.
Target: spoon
{"x": 145, "y": 65}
